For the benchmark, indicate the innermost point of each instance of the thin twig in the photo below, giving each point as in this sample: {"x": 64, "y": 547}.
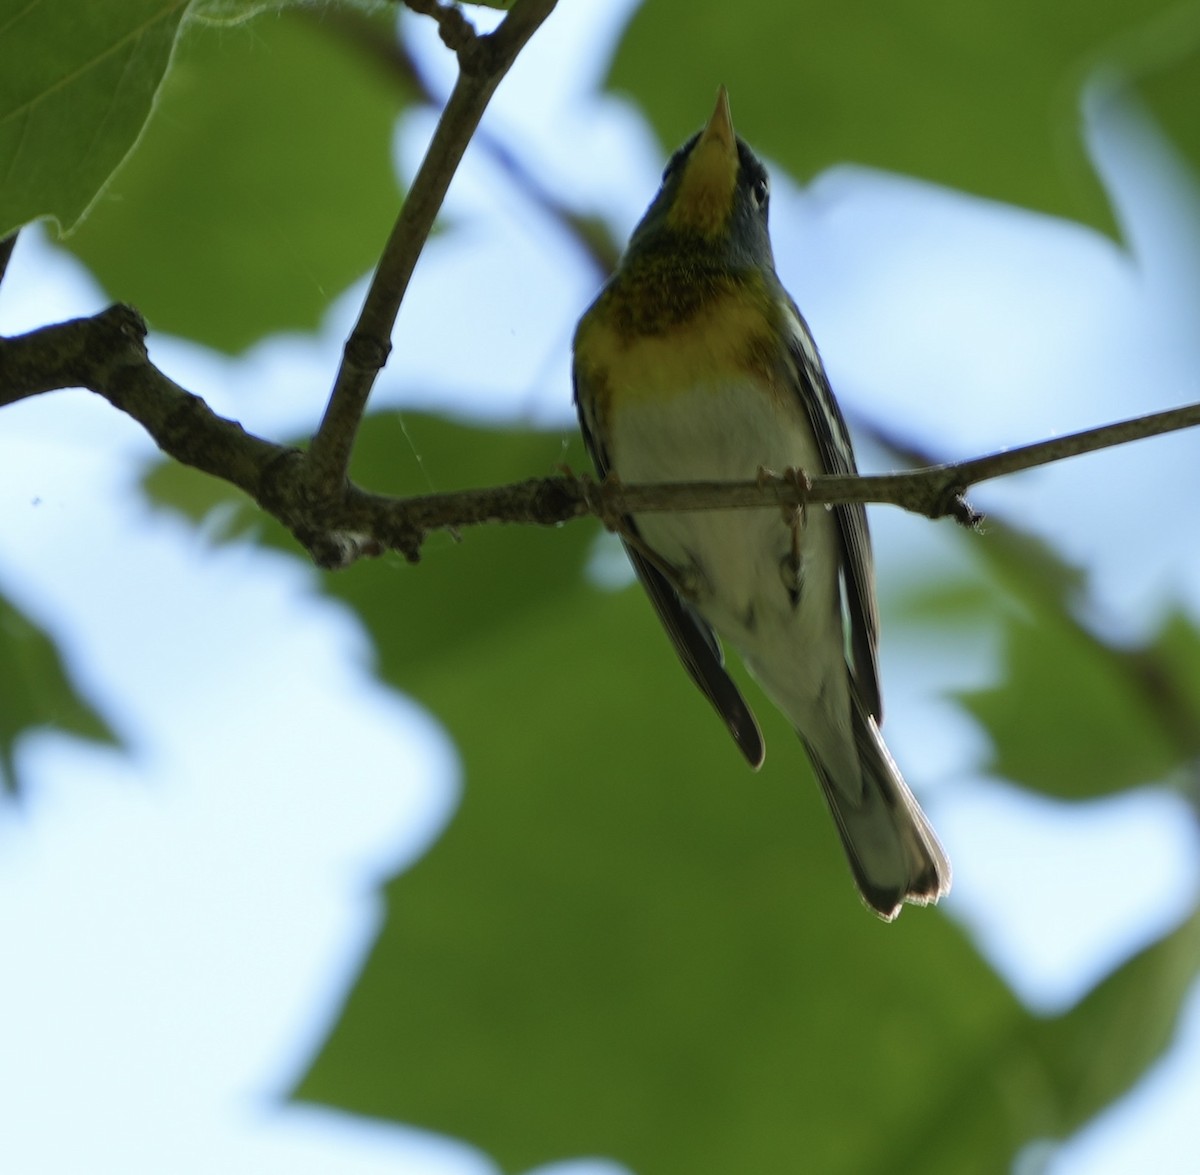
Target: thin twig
{"x": 482, "y": 65}
{"x": 1073, "y": 444}
{"x": 107, "y": 354}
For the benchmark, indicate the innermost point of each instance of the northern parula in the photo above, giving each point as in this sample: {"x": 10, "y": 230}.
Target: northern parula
{"x": 694, "y": 364}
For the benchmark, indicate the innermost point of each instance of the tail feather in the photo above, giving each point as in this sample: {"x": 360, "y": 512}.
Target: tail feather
{"x": 893, "y": 851}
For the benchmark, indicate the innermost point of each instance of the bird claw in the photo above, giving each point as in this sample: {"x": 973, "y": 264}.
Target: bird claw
{"x": 799, "y": 480}
{"x": 613, "y": 519}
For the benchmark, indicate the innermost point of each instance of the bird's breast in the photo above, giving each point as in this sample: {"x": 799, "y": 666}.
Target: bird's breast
{"x": 730, "y": 563}
{"x": 714, "y": 399}
{"x": 625, "y": 358}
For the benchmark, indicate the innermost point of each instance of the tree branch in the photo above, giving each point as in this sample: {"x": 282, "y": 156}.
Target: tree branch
{"x": 107, "y": 353}
{"x": 483, "y": 62}
{"x": 338, "y": 522}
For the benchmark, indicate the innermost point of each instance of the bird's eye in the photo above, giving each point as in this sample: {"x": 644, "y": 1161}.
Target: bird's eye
{"x": 761, "y": 191}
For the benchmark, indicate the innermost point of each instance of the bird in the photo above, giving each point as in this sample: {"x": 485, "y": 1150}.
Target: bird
{"x": 694, "y": 364}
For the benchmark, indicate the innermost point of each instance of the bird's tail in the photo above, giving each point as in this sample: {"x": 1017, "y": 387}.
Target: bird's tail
{"x": 892, "y": 849}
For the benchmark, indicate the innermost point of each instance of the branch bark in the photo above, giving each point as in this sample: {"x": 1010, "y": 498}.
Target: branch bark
{"x": 107, "y": 353}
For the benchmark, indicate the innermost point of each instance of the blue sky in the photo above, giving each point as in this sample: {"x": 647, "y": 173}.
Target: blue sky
{"x": 129, "y": 1046}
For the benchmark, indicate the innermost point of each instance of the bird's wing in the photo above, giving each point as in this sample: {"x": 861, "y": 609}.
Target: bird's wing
{"x": 858, "y": 565}
{"x": 694, "y": 640}
{"x": 700, "y": 653}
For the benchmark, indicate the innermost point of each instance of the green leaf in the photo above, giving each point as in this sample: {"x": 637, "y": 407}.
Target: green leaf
{"x": 983, "y": 97}
{"x": 1030, "y": 571}
{"x": 36, "y": 691}
{"x": 944, "y": 602}
{"x": 227, "y": 12}
{"x": 625, "y": 943}
{"x": 77, "y": 81}
{"x": 1134, "y": 1012}
{"x": 1058, "y": 688}
{"x": 262, "y": 189}
{"x": 1164, "y": 63}
{"x": 1061, "y": 683}
{"x": 1170, "y": 668}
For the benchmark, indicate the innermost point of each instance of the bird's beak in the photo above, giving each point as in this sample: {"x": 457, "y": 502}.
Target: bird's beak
{"x": 720, "y": 126}
{"x": 705, "y": 196}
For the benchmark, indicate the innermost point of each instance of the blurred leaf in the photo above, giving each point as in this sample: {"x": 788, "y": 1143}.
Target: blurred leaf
{"x": 626, "y": 944}
{"x": 228, "y": 12}
{"x": 1057, "y": 691}
{"x": 943, "y": 602}
{"x": 77, "y": 81}
{"x": 1135, "y": 1011}
{"x": 1061, "y": 683}
{"x": 1033, "y": 574}
{"x": 983, "y": 97}
{"x": 1165, "y": 64}
{"x": 1170, "y": 671}
{"x": 36, "y": 691}
{"x": 263, "y": 187}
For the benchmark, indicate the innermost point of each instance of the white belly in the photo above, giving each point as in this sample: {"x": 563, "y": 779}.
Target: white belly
{"x": 732, "y": 564}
